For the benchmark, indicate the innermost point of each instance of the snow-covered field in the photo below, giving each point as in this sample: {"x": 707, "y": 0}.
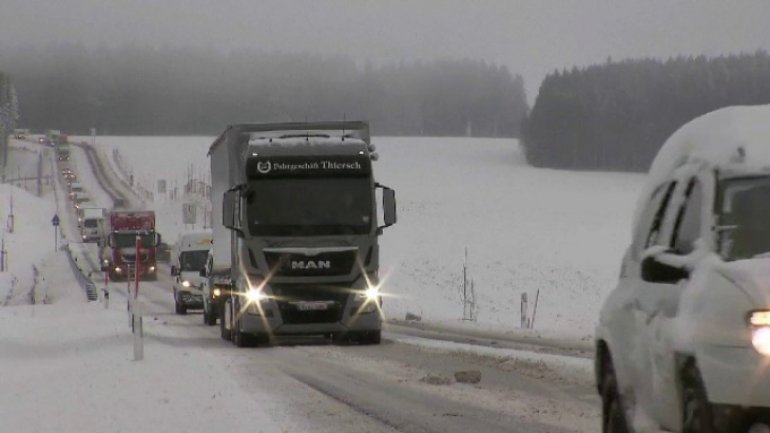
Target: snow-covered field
{"x": 562, "y": 233}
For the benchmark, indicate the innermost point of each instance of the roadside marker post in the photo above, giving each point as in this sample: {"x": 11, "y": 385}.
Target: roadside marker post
{"x": 137, "y": 325}
{"x": 55, "y": 223}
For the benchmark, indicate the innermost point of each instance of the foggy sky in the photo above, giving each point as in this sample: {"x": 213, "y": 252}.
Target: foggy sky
{"x": 530, "y": 37}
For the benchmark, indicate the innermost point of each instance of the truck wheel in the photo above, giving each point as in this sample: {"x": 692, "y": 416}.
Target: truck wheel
{"x": 241, "y": 339}
{"x": 223, "y": 319}
{"x": 613, "y": 415}
{"x": 370, "y": 337}
{"x": 698, "y": 415}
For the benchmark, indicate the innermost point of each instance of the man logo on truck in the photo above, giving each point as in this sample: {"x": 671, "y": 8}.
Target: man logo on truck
{"x": 310, "y": 264}
{"x": 264, "y": 167}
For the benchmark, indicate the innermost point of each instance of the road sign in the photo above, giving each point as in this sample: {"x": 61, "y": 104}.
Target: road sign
{"x": 188, "y": 213}
{"x": 55, "y": 220}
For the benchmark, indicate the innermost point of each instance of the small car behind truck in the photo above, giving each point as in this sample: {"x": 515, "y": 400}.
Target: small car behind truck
{"x": 683, "y": 342}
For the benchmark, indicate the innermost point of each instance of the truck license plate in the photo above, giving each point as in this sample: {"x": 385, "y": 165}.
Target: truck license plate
{"x": 312, "y": 306}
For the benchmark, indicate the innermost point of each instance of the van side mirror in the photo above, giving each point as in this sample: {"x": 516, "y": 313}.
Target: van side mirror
{"x": 654, "y": 271}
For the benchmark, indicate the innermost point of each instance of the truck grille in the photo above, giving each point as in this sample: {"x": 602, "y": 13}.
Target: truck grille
{"x": 131, "y": 258}
{"x": 323, "y": 264}
{"x": 288, "y": 294}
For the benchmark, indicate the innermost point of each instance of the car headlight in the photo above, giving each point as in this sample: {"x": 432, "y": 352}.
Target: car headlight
{"x": 152, "y": 269}
{"x": 760, "y": 331}
{"x": 185, "y": 283}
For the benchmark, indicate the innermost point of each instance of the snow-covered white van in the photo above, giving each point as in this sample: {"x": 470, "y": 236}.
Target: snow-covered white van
{"x": 683, "y": 342}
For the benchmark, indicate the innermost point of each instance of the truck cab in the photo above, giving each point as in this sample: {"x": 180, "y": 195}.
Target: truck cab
{"x": 299, "y": 202}
{"x": 125, "y": 227}
{"x": 187, "y": 260}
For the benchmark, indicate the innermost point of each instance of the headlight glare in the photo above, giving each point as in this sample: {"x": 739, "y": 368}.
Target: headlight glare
{"x": 255, "y": 295}
{"x": 760, "y": 339}
{"x": 185, "y": 283}
{"x": 217, "y": 292}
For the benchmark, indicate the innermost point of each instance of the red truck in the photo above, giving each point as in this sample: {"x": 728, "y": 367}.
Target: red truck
{"x": 122, "y": 230}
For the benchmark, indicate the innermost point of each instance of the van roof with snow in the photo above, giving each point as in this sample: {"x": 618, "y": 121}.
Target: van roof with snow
{"x": 733, "y": 141}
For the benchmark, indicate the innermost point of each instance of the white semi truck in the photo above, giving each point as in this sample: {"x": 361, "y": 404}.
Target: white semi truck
{"x": 296, "y": 230}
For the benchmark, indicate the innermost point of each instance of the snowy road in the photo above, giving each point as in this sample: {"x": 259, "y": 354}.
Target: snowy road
{"x": 387, "y": 388}
{"x": 404, "y": 385}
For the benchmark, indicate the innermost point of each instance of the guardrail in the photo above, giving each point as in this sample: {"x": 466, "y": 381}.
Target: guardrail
{"x": 85, "y": 282}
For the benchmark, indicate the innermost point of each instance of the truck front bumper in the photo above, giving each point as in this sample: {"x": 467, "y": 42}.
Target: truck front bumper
{"x": 192, "y": 300}
{"x": 272, "y": 319}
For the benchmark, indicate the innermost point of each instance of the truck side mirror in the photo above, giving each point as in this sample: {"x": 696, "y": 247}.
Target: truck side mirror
{"x": 174, "y": 271}
{"x": 157, "y": 239}
{"x": 228, "y": 209}
{"x": 654, "y": 271}
{"x": 109, "y": 241}
{"x": 389, "y": 206}
{"x": 202, "y": 272}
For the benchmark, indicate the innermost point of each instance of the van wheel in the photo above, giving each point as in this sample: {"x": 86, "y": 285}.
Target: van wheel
{"x": 698, "y": 414}
{"x": 209, "y": 315}
{"x": 179, "y": 308}
{"x": 613, "y": 415}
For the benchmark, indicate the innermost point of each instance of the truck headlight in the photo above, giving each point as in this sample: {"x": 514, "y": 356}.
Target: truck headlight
{"x": 185, "y": 283}
{"x": 760, "y": 331}
{"x": 118, "y": 270}
{"x": 255, "y": 295}
{"x": 152, "y": 269}
{"x": 217, "y": 293}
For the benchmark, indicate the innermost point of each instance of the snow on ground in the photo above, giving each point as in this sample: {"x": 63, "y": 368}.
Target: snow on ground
{"x": 32, "y": 241}
{"x": 66, "y": 364}
{"x": 525, "y": 229}
{"x": 74, "y": 362}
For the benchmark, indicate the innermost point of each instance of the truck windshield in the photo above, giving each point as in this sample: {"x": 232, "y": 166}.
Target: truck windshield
{"x": 309, "y": 206}
{"x": 193, "y": 260}
{"x": 128, "y": 240}
{"x": 91, "y": 223}
{"x": 744, "y": 212}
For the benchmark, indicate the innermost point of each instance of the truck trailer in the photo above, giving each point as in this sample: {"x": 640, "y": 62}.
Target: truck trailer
{"x": 297, "y": 232}
{"x": 123, "y": 229}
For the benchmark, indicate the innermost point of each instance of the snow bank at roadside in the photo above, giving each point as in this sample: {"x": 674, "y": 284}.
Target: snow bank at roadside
{"x": 32, "y": 240}
{"x": 68, "y": 367}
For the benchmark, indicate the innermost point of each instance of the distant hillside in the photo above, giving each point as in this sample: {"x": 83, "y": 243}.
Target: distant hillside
{"x": 616, "y": 116}
{"x": 165, "y": 91}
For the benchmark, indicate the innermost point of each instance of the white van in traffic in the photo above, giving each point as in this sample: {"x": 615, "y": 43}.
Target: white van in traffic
{"x": 188, "y": 258}
{"x": 683, "y": 342}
